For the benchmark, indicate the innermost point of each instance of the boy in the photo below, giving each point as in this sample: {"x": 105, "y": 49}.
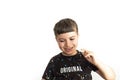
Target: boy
{"x": 72, "y": 64}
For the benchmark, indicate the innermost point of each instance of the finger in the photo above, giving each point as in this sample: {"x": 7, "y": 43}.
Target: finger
{"x": 84, "y": 52}
{"x": 89, "y": 56}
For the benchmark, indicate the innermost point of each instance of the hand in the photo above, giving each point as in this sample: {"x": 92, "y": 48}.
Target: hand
{"x": 104, "y": 71}
{"x": 90, "y": 56}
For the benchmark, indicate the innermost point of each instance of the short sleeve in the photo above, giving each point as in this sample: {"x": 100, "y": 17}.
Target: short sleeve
{"x": 48, "y": 74}
{"x": 93, "y": 67}
{"x": 90, "y": 65}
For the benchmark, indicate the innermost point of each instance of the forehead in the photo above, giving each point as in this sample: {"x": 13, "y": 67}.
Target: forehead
{"x": 67, "y": 35}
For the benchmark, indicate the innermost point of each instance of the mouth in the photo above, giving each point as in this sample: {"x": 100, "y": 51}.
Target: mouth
{"x": 68, "y": 49}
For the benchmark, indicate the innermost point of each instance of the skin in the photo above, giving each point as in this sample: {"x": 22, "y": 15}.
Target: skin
{"x": 104, "y": 71}
{"x": 68, "y": 43}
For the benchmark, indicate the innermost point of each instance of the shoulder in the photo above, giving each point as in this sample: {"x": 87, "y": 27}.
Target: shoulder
{"x": 82, "y": 58}
{"x": 79, "y": 53}
{"x": 55, "y": 57}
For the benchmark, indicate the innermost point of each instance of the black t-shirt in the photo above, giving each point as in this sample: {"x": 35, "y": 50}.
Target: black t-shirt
{"x": 74, "y": 67}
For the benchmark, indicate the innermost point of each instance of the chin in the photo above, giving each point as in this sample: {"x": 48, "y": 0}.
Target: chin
{"x": 69, "y": 53}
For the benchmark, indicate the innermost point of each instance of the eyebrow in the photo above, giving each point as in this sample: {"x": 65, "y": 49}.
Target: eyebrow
{"x": 73, "y": 36}
{"x": 69, "y": 37}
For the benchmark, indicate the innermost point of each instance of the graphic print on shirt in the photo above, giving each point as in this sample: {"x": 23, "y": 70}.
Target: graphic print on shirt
{"x": 70, "y": 69}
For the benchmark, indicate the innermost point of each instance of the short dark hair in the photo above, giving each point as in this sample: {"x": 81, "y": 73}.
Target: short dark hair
{"x": 65, "y": 25}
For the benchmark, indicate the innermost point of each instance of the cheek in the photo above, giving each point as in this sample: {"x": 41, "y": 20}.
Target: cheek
{"x": 60, "y": 45}
{"x": 75, "y": 42}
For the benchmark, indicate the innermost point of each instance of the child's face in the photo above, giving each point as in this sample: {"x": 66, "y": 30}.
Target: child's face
{"x": 68, "y": 42}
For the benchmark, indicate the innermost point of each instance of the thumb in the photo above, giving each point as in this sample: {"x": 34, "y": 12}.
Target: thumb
{"x": 83, "y": 51}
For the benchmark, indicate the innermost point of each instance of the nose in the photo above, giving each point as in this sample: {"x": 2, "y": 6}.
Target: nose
{"x": 68, "y": 43}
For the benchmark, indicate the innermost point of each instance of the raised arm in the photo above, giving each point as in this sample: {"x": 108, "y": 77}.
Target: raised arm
{"x": 104, "y": 71}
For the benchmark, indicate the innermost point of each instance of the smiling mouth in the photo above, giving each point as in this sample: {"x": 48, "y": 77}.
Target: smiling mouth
{"x": 68, "y": 49}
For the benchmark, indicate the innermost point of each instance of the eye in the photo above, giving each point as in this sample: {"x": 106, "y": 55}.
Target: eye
{"x": 72, "y": 39}
{"x": 61, "y": 40}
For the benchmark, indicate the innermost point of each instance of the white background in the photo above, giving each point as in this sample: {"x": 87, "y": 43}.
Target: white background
{"x": 27, "y": 41}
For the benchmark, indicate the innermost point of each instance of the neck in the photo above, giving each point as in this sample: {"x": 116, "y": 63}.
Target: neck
{"x": 70, "y": 54}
